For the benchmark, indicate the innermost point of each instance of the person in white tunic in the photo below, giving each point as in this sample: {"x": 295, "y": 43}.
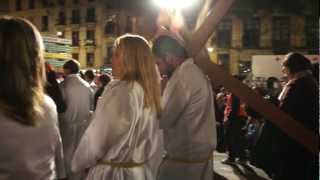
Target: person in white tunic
{"x": 187, "y": 119}
{"x": 29, "y": 136}
{"x": 78, "y": 97}
{"x": 124, "y": 134}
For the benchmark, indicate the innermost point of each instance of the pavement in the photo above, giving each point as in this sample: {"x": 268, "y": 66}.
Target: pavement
{"x": 237, "y": 171}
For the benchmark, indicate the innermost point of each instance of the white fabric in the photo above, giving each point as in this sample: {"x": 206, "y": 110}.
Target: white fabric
{"x": 122, "y": 130}
{"x": 28, "y": 152}
{"x": 78, "y": 97}
{"x": 188, "y": 122}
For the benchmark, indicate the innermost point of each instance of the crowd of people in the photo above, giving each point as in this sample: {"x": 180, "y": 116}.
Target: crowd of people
{"x": 249, "y": 137}
{"x": 132, "y": 126}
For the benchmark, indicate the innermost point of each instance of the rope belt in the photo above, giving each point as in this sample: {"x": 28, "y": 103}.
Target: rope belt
{"x": 122, "y": 164}
{"x": 187, "y": 161}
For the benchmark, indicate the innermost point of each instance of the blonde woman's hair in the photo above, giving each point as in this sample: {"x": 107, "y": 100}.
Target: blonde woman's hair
{"x": 21, "y": 70}
{"x": 139, "y": 65}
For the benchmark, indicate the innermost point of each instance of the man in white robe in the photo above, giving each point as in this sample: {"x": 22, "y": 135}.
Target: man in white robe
{"x": 187, "y": 119}
{"x": 79, "y": 101}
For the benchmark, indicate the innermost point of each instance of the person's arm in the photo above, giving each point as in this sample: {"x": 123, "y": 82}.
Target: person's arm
{"x": 174, "y": 100}
{"x": 111, "y": 122}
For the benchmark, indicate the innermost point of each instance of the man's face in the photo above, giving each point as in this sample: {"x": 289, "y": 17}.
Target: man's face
{"x": 165, "y": 68}
{"x": 66, "y": 72}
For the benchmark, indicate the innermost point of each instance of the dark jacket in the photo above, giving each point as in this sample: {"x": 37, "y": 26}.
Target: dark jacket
{"x": 301, "y": 102}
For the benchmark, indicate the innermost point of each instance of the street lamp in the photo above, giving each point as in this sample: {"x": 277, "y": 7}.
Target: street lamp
{"x": 175, "y": 4}
{"x": 59, "y": 33}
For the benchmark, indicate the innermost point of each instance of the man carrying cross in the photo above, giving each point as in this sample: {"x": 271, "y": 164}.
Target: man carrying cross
{"x": 188, "y": 118}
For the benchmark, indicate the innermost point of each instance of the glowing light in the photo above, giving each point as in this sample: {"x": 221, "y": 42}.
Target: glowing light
{"x": 175, "y": 4}
{"x": 59, "y": 33}
{"x": 210, "y": 49}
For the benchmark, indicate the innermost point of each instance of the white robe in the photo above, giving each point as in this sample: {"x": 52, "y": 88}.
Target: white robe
{"x": 28, "y": 152}
{"x": 121, "y": 131}
{"x": 188, "y": 123}
{"x": 79, "y": 101}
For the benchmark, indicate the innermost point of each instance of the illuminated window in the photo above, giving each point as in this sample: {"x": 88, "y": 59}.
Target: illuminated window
{"x": 75, "y": 38}
{"x": 90, "y": 59}
{"x": 90, "y": 37}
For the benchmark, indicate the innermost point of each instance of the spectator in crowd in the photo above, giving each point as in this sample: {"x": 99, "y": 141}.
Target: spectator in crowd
{"x": 188, "y": 118}
{"x": 263, "y": 151}
{"x": 89, "y": 76}
{"x": 253, "y": 123}
{"x": 29, "y": 137}
{"x": 300, "y": 99}
{"x": 53, "y": 90}
{"x": 104, "y": 79}
{"x": 79, "y": 101}
{"x": 220, "y": 104}
{"x": 124, "y": 133}
{"x": 235, "y": 119}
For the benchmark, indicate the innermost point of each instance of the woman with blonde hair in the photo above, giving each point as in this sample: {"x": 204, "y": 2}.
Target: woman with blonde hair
{"x": 29, "y": 137}
{"x": 124, "y": 135}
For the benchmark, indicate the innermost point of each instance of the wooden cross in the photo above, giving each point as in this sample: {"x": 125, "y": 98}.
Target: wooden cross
{"x": 198, "y": 34}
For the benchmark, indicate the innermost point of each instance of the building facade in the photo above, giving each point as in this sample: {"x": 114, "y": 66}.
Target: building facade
{"x": 90, "y": 25}
{"x": 238, "y": 38}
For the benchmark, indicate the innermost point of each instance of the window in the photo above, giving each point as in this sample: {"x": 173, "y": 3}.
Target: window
{"x": 224, "y": 34}
{"x": 75, "y": 19}
{"x": 44, "y": 23}
{"x": 61, "y": 2}
{"x": 312, "y": 34}
{"x": 45, "y": 3}
{"x": 244, "y": 68}
{"x": 109, "y": 55}
{"x": 90, "y": 37}
{"x": 75, "y": 56}
{"x": 251, "y": 37}
{"x": 18, "y": 5}
{"x": 91, "y": 15}
{"x": 62, "y": 18}
{"x": 129, "y": 26}
{"x": 110, "y": 28}
{"x": 223, "y": 60}
{"x": 281, "y": 34}
{"x": 75, "y": 38}
{"x": 31, "y": 4}
{"x": 90, "y": 59}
